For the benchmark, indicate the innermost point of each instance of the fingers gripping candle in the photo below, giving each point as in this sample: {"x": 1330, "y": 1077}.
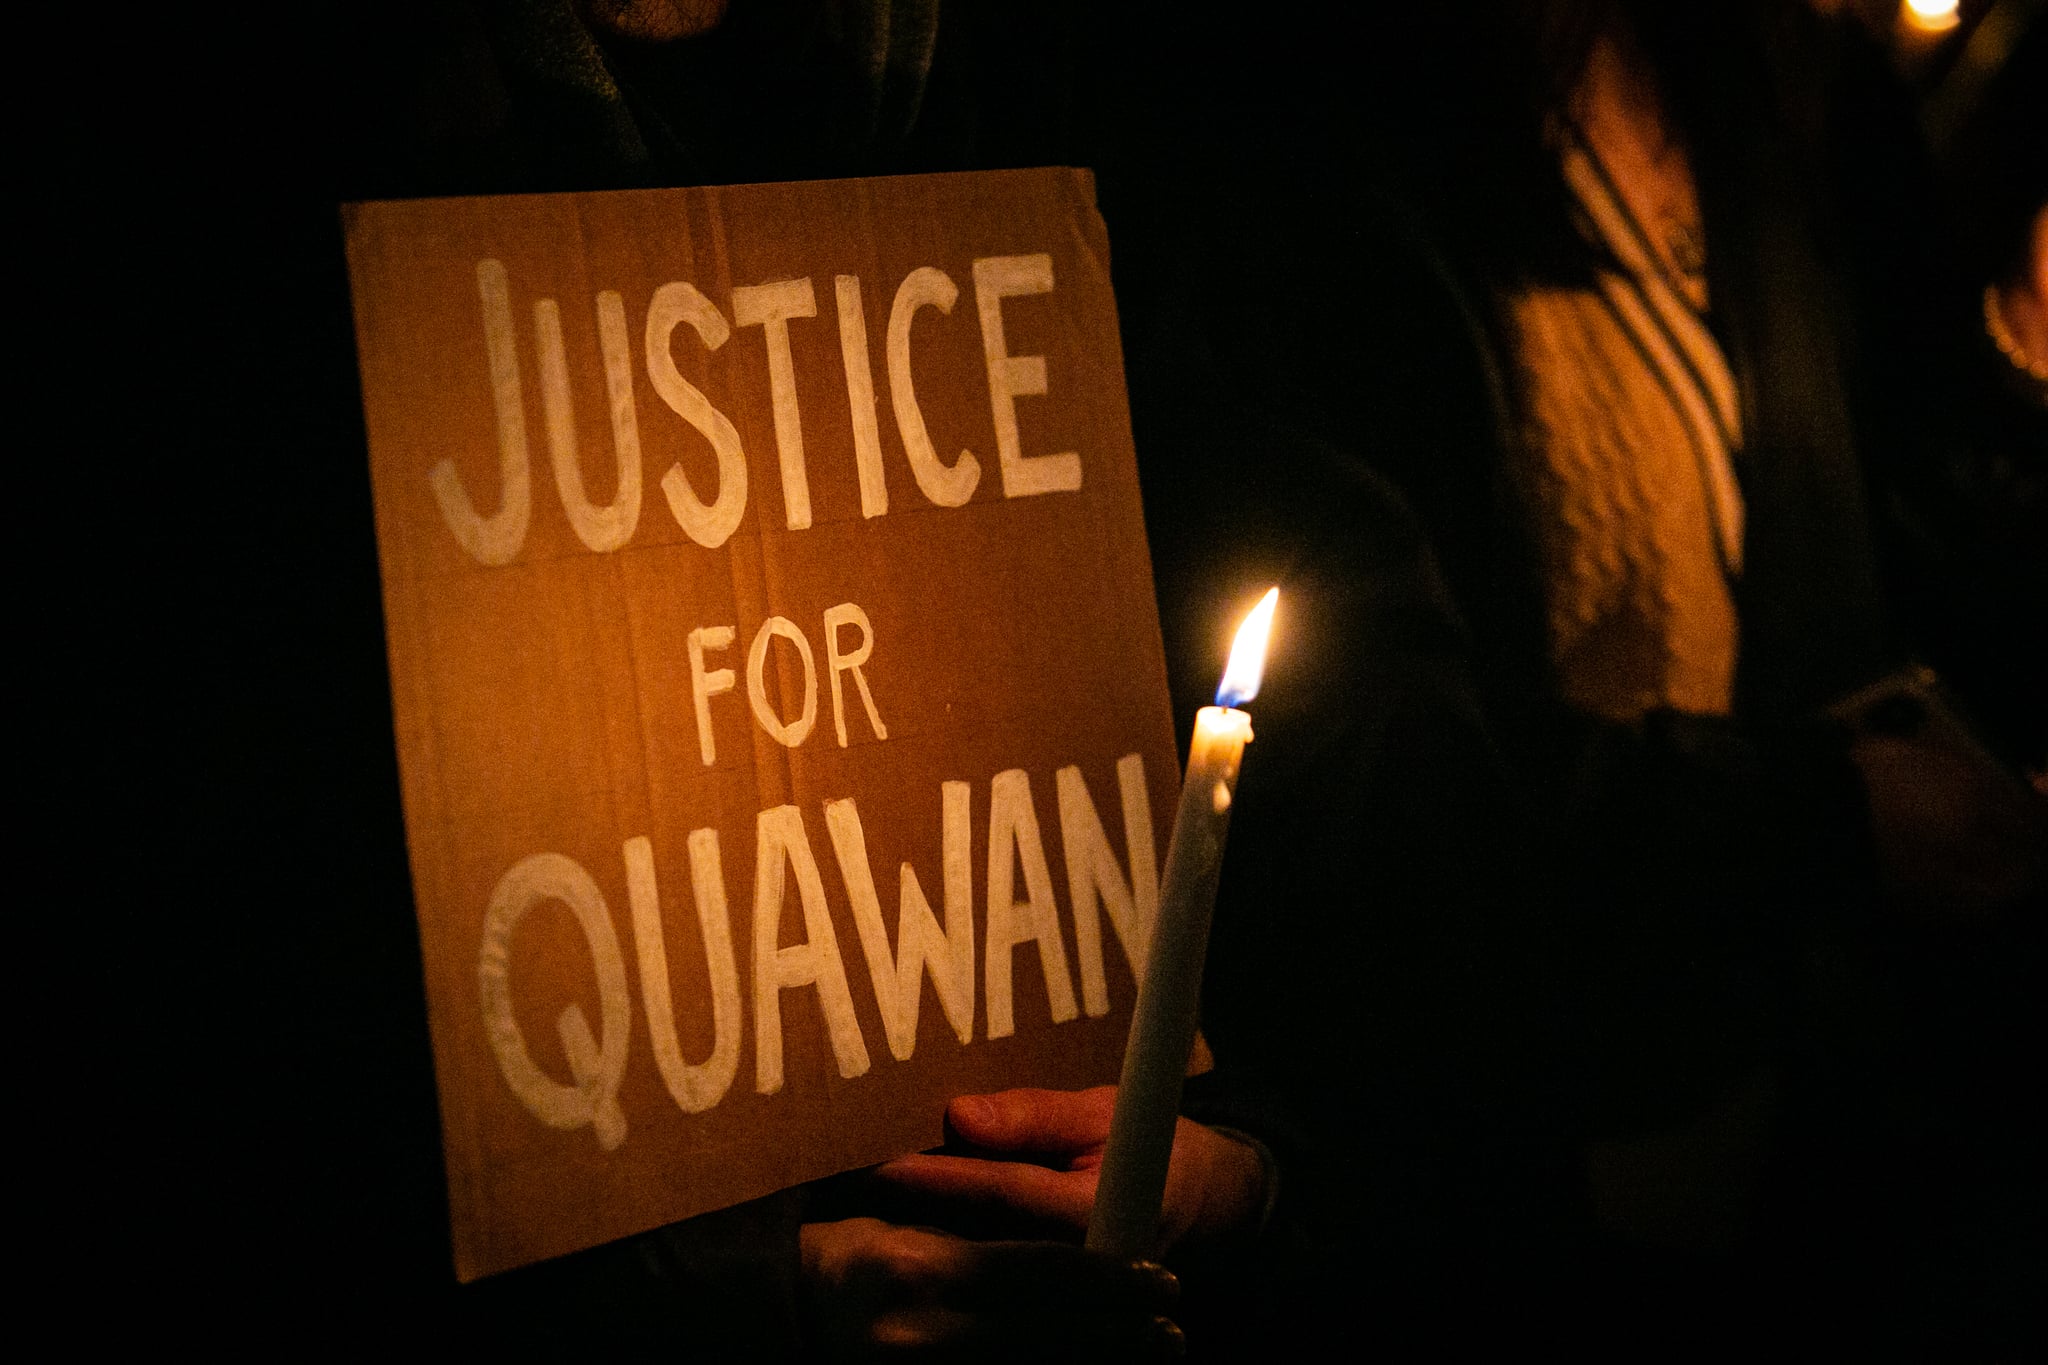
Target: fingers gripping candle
{"x": 1125, "y": 1221}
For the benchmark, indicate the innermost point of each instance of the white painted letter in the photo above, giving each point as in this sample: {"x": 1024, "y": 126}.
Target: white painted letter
{"x": 860, "y": 396}
{"x": 704, "y": 686}
{"x": 1092, "y": 870}
{"x": 794, "y": 732}
{"x": 944, "y": 487}
{"x": 780, "y": 839}
{"x": 899, "y": 980}
{"x": 493, "y": 540}
{"x": 847, "y": 614}
{"x": 771, "y": 306}
{"x": 600, "y": 528}
{"x": 710, "y": 526}
{"x": 597, "y": 1067}
{"x": 1011, "y": 377}
{"x": 1013, "y": 834}
{"x": 694, "y": 1088}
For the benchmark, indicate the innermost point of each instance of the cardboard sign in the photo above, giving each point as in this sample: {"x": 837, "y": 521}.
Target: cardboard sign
{"x": 780, "y": 700}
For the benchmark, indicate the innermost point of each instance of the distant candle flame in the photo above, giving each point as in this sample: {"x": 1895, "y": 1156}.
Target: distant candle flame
{"x": 1248, "y": 655}
{"x": 1932, "y": 16}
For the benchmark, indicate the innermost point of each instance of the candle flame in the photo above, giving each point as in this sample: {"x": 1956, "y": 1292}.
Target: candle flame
{"x": 1248, "y": 655}
{"x": 1932, "y": 16}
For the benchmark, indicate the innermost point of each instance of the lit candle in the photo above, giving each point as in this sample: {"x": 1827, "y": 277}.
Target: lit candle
{"x": 1127, "y": 1199}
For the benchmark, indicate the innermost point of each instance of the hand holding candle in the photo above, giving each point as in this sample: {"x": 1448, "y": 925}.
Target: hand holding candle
{"x": 1126, "y": 1216}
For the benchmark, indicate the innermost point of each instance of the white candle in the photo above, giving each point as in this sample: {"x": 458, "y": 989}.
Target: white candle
{"x": 1125, "y": 1221}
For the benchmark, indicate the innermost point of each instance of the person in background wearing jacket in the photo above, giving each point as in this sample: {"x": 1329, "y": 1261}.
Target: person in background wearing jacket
{"x": 1623, "y": 944}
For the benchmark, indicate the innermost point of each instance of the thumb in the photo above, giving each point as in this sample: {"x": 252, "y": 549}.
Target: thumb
{"x": 1042, "y": 1121}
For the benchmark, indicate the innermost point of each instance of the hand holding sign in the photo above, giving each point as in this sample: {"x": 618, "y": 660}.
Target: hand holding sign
{"x": 1025, "y": 1163}
{"x": 1021, "y": 1164}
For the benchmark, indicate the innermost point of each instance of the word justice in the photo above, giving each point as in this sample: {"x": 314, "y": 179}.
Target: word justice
{"x": 924, "y": 946}
{"x": 496, "y": 539}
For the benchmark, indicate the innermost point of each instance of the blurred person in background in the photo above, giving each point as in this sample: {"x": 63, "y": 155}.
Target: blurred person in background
{"x": 1625, "y": 942}
{"x": 1618, "y": 946}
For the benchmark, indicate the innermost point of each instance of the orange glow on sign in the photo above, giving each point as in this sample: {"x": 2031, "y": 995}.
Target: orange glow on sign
{"x": 1247, "y": 665}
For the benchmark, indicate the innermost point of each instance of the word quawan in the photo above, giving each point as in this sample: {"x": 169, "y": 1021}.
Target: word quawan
{"x": 924, "y": 946}
{"x": 497, "y": 538}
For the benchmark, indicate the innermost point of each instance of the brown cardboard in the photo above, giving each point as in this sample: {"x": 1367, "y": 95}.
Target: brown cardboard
{"x": 545, "y": 705}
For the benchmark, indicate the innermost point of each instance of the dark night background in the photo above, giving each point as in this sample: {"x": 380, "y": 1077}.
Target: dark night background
{"x": 263, "y": 1146}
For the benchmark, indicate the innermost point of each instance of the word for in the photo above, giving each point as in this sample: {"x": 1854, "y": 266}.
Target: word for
{"x": 708, "y": 683}
{"x": 924, "y": 947}
{"x": 496, "y": 539}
